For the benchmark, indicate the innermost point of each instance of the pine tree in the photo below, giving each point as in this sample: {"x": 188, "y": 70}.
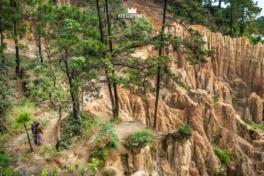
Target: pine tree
{"x": 5, "y": 25}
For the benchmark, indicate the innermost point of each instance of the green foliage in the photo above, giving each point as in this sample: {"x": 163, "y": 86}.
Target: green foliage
{"x": 4, "y": 158}
{"x": 23, "y": 118}
{"x": 49, "y": 152}
{"x": 5, "y": 90}
{"x": 101, "y": 154}
{"x": 93, "y": 166}
{"x": 107, "y": 136}
{"x": 55, "y": 171}
{"x": 188, "y": 10}
{"x": 11, "y": 171}
{"x": 253, "y": 39}
{"x": 76, "y": 127}
{"x": 44, "y": 172}
{"x": 223, "y": 155}
{"x": 4, "y": 161}
{"x": 215, "y": 99}
{"x": 106, "y": 139}
{"x": 218, "y": 171}
{"x": 141, "y": 139}
{"x": 185, "y": 130}
{"x": 107, "y": 173}
{"x": 254, "y": 125}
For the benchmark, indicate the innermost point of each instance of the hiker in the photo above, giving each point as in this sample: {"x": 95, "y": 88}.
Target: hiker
{"x": 39, "y": 134}
{"x": 34, "y": 131}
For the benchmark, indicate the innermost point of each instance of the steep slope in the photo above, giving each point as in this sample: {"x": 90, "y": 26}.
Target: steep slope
{"x": 232, "y": 75}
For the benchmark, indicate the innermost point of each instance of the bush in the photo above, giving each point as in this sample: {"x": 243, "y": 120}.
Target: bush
{"x": 23, "y": 118}
{"x": 223, "y": 155}
{"x": 215, "y": 99}
{"x": 185, "y": 131}
{"x": 218, "y": 171}
{"x": 4, "y": 161}
{"x": 102, "y": 155}
{"x": 107, "y": 137}
{"x": 141, "y": 138}
{"x": 75, "y": 127}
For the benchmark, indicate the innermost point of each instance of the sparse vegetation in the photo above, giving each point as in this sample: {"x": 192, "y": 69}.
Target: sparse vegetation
{"x": 185, "y": 130}
{"x": 5, "y": 160}
{"x": 91, "y": 169}
{"x": 215, "y": 99}
{"x": 223, "y": 155}
{"x": 141, "y": 139}
{"x": 49, "y": 151}
{"x": 254, "y": 125}
{"x": 218, "y": 171}
{"x": 105, "y": 140}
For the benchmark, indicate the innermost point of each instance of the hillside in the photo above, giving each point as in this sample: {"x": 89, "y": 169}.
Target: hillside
{"x": 214, "y": 127}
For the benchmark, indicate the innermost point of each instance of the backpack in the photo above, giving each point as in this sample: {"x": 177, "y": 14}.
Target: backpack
{"x": 33, "y": 128}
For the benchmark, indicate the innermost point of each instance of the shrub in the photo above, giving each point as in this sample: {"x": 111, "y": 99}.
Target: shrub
{"x": 93, "y": 166}
{"x": 55, "y": 171}
{"x": 185, "y": 131}
{"x": 223, "y": 155}
{"x": 215, "y": 99}
{"x": 107, "y": 137}
{"x": 218, "y": 171}
{"x": 141, "y": 138}
{"x": 4, "y": 158}
{"x": 44, "y": 172}
{"x": 4, "y": 161}
{"x": 108, "y": 173}
{"x": 75, "y": 127}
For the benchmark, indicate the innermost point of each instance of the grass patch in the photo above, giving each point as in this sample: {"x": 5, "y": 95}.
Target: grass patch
{"x": 185, "y": 131}
{"x": 254, "y": 125}
{"x": 141, "y": 138}
{"x": 49, "y": 152}
{"x": 215, "y": 99}
{"x": 223, "y": 155}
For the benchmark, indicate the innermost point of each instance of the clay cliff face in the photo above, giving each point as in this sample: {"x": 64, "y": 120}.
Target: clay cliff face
{"x": 234, "y": 70}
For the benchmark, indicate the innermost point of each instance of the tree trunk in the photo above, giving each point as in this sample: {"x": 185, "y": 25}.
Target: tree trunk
{"x": 242, "y": 25}
{"x": 75, "y": 101}
{"x": 158, "y": 71}
{"x": 116, "y": 101}
{"x": 219, "y": 4}
{"x": 40, "y": 49}
{"x": 13, "y": 4}
{"x": 17, "y": 49}
{"x": 58, "y": 128}
{"x": 2, "y": 47}
{"x": 106, "y": 70}
{"x": 116, "y": 105}
{"x": 231, "y": 20}
{"x": 147, "y": 105}
{"x": 28, "y": 138}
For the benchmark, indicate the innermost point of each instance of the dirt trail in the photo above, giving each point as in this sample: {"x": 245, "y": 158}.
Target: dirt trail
{"x": 32, "y": 162}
